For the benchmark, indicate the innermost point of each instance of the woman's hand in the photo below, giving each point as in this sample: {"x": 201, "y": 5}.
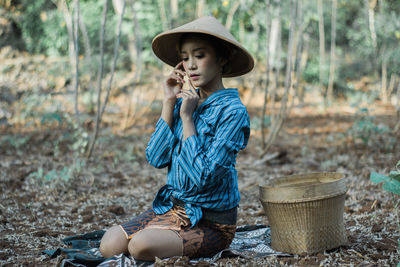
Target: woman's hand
{"x": 190, "y": 100}
{"x": 173, "y": 84}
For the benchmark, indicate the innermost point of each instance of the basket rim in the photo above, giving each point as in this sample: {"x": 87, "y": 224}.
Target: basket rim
{"x": 295, "y": 201}
{"x": 265, "y": 185}
{"x": 303, "y": 187}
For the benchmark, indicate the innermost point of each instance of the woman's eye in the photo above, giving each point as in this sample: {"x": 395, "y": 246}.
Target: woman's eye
{"x": 200, "y": 56}
{"x": 185, "y": 59}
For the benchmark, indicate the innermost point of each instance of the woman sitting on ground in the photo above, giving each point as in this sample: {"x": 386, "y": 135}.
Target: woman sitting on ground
{"x": 198, "y": 136}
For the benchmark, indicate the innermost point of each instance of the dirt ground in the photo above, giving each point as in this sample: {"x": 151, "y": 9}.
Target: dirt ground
{"x": 77, "y": 196}
{"x": 37, "y": 214}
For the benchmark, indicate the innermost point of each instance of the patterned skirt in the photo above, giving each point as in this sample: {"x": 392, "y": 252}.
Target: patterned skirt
{"x": 204, "y": 240}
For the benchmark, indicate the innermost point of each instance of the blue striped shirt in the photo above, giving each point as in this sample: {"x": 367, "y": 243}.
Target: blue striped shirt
{"x": 201, "y": 169}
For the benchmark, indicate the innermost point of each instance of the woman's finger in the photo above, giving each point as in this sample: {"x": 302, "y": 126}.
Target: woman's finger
{"x": 191, "y": 84}
{"x": 179, "y": 72}
{"x": 179, "y": 65}
{"x": 177, "y": 78}
{"x": 190, "y": 92}
{"x": 182, "y": 95}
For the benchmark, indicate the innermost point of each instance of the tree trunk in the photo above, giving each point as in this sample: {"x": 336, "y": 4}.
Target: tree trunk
{"x": 174, "y": 13}
{"x": 298, "y": 54}
{"x": 118, "y": 6}
{"x": 371, "y": 21}
{"x": 283, "y": 110}
{"x": 86, "y": 41}
{"x": 277, "y": 65}
{"x": 398, "y": 101}
{"x": 100, "y": 110}
{"x": 200, "y": 8}
{"x": 88, "y": 61}
{"x": 333, "y": 54}
{"x": 62, "y": 5}
{"x": 321, "y": 44}
{"x": 99, "y": 79}
{"x": 137, "y": 46}
{"x": 76, "y": 52}
{"x": 116, "y": 48}
{"x": 267, "y": 32}
{"x": 231, "y": 13}
{"x": 392, "y": 82}
{"x": 273, "y": 39}
{"x": 384, "y": 93}
{"x": 303, "y": 63}
{"x": 163, "y": 15}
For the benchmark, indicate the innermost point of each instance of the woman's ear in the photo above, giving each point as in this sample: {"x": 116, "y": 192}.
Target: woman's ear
{"x": 222, "y": 61}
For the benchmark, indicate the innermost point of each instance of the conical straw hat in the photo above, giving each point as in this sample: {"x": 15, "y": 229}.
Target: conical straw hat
{"x": 164, "y": 44}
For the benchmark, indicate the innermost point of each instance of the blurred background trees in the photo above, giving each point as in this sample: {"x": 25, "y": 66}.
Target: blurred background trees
{"x": 368, "y": 31}
{"x": 342, "y": 49}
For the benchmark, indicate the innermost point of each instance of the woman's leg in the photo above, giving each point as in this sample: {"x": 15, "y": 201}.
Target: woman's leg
{"x": 114, "y": 242}
{"x": 150, "y": 243}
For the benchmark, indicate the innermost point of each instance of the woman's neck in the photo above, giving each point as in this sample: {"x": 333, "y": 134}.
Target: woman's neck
{"x": 207, "y": 91}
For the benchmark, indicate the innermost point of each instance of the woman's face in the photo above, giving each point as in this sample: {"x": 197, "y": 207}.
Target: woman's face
{"x": 201, "y": 63}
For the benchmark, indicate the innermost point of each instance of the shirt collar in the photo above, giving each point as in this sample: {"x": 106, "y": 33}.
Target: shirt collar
{"x": 223, "y": 93}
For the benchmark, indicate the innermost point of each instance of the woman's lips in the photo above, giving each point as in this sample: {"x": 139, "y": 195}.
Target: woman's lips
{"x": 194, "y": 76}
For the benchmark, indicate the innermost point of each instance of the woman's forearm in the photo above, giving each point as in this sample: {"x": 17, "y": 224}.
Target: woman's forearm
{"x": 167, "y": 112}
{"x": 188, "y": 127}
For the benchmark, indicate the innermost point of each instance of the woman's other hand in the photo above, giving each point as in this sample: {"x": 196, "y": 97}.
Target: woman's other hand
{"x": 173, "y": 84}
{"x": 190, "y": 100}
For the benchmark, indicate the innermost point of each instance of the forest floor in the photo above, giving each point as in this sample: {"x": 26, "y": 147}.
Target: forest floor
{"x": 48, "y": 193}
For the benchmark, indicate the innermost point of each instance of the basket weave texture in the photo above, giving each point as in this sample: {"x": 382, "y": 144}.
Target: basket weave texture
{"x": 305, "y": 212}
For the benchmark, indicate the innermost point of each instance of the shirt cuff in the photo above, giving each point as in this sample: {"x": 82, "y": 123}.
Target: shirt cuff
{"x": 165, "y": 132}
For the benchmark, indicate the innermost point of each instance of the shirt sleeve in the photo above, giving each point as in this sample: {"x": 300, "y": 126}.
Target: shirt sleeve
{"x": 204, "y": 166}
{"x": 159, "y": 149}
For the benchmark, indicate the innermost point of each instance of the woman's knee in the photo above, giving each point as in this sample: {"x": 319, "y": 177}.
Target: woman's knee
{"x": 141, "y": 247}
{"x": 113, "y": 242}
{"x": 148, "y": 244}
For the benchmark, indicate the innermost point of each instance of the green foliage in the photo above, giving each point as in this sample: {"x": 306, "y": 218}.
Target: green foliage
{"x": 311, "y": 71}
{"x": 77, "y": 138}
{"x": 365, "y": 128}
{"x": 65, "y": 173}
{"x": 15, "y": 141}
{"x": 256, "y": 122}
{"x": 391, "y": 184}
{"x": 42, "y": 28}
{"x": 40, "y": 108}
{"x": 51, "y": 117}
{"x": 124, "y": 154}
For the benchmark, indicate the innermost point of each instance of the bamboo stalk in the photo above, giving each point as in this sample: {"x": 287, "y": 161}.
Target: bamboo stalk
{"x": 116, "y": 48}
{"x": 99, "y": 79}
{"x": 231, "y": 13}
{"x": 282, "y": 112}
{"x": 333, "y": 54}
{"x": 76, "y": 52}
{"x": 267, "y": 31}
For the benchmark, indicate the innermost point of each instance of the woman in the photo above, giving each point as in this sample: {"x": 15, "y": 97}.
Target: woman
{"x": 198, "y": 136}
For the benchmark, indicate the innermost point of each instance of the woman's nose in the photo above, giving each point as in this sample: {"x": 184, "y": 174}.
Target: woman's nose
{"x": 192, "y": 64}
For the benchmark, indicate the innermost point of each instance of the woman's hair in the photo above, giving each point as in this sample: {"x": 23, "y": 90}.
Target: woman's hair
{"x": 223, "y": 50}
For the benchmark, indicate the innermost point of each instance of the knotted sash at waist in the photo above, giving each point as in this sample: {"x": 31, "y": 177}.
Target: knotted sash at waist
{"x": 221, "y": 217}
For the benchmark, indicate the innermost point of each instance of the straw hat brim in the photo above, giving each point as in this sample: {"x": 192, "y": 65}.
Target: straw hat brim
{"x": 164, "y": 45}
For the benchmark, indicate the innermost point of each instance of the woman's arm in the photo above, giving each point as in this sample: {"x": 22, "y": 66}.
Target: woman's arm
{"x": 190, "y": 99}
{"x": 204, "y": 166}
{"x": 159, "y": 149}
{"x": 167, "y": 112}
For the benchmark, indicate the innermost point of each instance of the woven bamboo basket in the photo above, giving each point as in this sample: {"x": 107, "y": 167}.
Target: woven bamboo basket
{"x": 305, "y": 212}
